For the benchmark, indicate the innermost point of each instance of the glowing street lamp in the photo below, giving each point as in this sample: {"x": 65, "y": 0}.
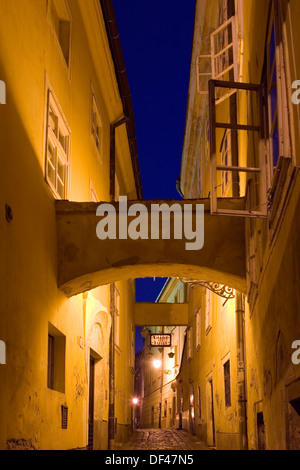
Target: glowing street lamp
{"x": 157, "y": 364}
{"x": 135, "y": 401}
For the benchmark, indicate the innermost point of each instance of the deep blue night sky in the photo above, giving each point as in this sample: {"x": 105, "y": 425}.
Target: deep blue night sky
{"x": 156, "y": 38}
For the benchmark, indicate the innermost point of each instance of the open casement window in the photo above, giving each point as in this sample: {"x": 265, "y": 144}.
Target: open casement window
{"x": 58, "y": 149}
{"x": 222, "y": 62}
{"x": 237, "y": 149}
{"x": 204, "y": 73}
{"x": 276, "y": 109}
{"x": 224, "y": 56}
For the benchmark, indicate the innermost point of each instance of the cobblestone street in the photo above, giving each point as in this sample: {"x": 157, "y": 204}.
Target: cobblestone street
{"x": 163, "y": 439}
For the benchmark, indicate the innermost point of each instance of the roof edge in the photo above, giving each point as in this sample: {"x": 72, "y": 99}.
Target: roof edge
{"x": 123, "y": 85}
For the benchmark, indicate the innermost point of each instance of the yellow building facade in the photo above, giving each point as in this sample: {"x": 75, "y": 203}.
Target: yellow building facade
{"x": 207, "y": 399}
{"x": 242, "y": 142}
{"x": 63, "y": 95}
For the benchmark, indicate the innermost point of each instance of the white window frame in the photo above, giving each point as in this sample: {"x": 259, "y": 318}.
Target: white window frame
{"x": 61, "y": 153}
{"x": 217, "y": 54}
{"x": 262, "y": 207}
{"x": 278, "y": 176}
{"x": 200, "y": 73}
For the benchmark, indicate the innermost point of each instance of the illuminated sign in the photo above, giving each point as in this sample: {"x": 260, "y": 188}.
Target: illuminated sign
{"x": 162, "y": 341}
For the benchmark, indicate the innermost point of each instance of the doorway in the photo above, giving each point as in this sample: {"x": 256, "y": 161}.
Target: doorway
{"x": 180, "y": 405}
{"x": 261, "y": 432}
{"x": 173, "y": 423}
{"x": 192, "y": 411}
{"x": 211, "y": 440}
{"x": 293, "y": 416}
{"x": 91, "y": 404}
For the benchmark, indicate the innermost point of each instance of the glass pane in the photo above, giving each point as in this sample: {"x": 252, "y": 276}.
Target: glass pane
{"x": 275, "y": 144}
{"x": 50, "y": 172}
{"x": 53, "y": 121}
{"x": 51, "y": 153}
{"x": 272, "y": 48}
{"x": 51, "y": 162}
{"x": 273, "y": 97}
{"x": 60, "y": 189}
{"x": 62, "y": 140}
{"x": 61, "y": 170}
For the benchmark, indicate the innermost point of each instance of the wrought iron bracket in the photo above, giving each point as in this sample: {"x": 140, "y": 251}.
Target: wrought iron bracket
{"x": 219, "y": 289}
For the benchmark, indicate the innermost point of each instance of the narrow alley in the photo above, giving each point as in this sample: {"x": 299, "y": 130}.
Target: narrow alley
{"x": 149, "y": 227}
{"x": 163, "y": 439}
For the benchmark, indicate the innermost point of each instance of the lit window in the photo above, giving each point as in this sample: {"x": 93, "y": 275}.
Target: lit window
{"x": 57, "y": 155}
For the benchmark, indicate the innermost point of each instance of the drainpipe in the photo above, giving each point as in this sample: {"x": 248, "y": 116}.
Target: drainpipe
{"x": 113, "y": 128}
{"x": 111, "y": 406}
{"x": 241, "y": 361}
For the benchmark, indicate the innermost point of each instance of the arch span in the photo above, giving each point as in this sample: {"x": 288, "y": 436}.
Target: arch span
{"x": 85, "y": 262}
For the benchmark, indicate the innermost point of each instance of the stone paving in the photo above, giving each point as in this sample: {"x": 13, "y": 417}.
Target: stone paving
{"x": 163, "y": 439}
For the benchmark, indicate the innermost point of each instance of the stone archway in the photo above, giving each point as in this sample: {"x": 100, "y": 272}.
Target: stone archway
{"x": 85, "y": 262}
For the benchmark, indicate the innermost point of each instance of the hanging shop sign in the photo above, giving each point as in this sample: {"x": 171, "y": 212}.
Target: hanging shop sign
{"x": 161, "y": 341}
